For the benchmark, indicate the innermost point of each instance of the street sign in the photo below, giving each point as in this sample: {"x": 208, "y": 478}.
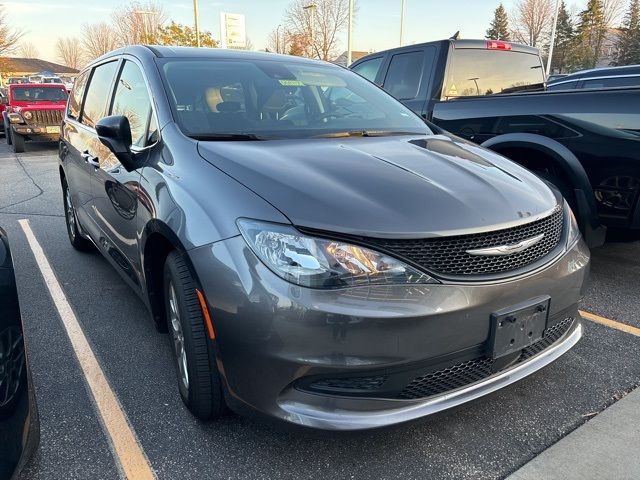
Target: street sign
{"x": 232, "y": 30}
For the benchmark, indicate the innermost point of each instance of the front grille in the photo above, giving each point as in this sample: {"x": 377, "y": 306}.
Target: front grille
{"x": 353, "y": 383}
{"x": 448, "y": 255}
{"x": 47, "y": 117}
{"x": 466, "y": 373}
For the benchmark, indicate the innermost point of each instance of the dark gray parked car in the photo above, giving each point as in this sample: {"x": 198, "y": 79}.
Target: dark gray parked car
{"x": 316, "y": 252}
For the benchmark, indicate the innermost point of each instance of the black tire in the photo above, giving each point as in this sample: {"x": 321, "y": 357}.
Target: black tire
{"x": 7, "y": 135}
{"x": 18, "y": 143}
{"x": 75, "y": 238}
{"x": 202, "y": 390}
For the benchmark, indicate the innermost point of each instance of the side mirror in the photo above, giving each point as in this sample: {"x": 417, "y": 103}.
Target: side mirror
{"x": 115, "y": 133}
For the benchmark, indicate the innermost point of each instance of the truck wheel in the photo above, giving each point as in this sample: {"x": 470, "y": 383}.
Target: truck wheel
{"x": 18, "y": 143}
{"x": 75, "y": 238}
{"x": 8, "y": 135}
{"x": 198, "y": 378}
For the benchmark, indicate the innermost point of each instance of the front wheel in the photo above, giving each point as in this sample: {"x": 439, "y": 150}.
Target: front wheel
{"x": 18, "y": 143}
{"x": 198, "y": 378}
{"x": 7, "y": 135}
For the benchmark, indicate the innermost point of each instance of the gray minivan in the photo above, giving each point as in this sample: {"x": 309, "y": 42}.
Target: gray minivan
{"x": 316, "y": 251}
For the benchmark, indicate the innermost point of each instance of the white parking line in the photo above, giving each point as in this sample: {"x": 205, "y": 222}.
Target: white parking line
{"x": 126, "y": 447}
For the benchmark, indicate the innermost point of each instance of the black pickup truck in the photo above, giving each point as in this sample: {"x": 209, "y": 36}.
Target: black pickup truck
{"x": 587, "y": 142}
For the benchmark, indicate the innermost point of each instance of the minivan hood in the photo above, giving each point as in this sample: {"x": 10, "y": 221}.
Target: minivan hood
{"x": 393, "y": 187}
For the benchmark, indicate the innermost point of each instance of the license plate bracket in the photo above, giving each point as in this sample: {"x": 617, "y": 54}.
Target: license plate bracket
{"x": 518, "y": 326}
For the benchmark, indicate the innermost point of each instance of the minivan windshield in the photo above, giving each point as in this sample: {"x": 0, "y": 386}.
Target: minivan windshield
{"x": 258, "y": 99}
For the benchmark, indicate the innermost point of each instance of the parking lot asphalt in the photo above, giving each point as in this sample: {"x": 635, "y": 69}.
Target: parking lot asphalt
{"x": 489, "y": 438}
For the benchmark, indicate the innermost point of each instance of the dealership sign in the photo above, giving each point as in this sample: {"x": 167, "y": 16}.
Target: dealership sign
{"x": 232, "y": 30}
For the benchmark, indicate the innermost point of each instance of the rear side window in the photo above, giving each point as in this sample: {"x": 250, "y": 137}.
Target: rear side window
{"x": 369, "y": 68}
{"x": 132, "y": 100}
{"x": 75, "y": 99}
{"x": 95, "y": 103}
{"x": 612, "y": 82}
{"x": 404, "y": 74}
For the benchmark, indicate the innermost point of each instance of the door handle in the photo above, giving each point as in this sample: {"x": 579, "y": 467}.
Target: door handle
{"x": 90, "y": 159}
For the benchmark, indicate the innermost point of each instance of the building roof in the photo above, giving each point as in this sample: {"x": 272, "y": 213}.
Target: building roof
{"x": 32, "y": 66}
{"x": 355, "y": 55}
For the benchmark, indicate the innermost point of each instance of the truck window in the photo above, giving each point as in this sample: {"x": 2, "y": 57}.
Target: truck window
{"x": 404, "y": 75}
{"x": 612, "y": 82}
{"x": 474, "y": 72}
{"x": 95, "y": 103}
{"x": 369, "y": 68}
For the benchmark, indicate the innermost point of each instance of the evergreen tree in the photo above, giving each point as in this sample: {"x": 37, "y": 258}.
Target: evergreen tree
{"x": 628, "y": 44}
{"x": 590, "y": 35}
{"x": 499, "y": 27}
{"x": 564, "y": 43}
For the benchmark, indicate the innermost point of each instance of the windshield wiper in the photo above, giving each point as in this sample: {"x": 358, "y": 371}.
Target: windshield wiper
{"x": 365, "y": 133}
{"x": 227, "y": 136}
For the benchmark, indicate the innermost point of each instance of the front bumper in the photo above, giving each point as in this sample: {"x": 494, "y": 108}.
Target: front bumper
{"x": 272, "y": 336}
{"x": 45, "y": 131}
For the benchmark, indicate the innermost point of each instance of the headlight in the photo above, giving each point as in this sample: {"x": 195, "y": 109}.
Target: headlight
{"x": 27, "y": 115}
{"x": 15, "y": 118}
{"x": 574, "y": 230}
{"x": 320, "y": 263}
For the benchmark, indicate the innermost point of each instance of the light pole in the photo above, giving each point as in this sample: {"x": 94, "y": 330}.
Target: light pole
{"x": 350, "y": 34}
{"x": 553, "y": 36}
{"x": 312, "y": 21}
{"x": 278, "y": 39}
{"x": 197, "y": 22}
{"x": 401, "y": 21}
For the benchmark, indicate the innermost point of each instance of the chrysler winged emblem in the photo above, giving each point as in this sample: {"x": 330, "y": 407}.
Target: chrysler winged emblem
{"x": 507, "y": 249}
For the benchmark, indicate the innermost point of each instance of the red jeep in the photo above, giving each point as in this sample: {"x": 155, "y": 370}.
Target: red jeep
{"x": 34, "y": 112}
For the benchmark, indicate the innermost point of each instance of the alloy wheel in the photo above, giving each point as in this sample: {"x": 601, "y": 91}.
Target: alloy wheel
{"x": 11, "y": 364}
{"x": 618, "y": 192}
{"x": 71, "y": 217}
{"x": 178, "y": 337}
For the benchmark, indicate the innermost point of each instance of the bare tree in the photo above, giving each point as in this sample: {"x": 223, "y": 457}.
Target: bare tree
{"x": 98, "y": 39}
{"x": 139, "y": 22}
{"x": 612, "y": 10}
{"x": 9, "y": 35}
{"x": 320, "y": 23}
{"x": 279, "y": 40}
{"x": 532, "y": 20}
{"x": 27, "y": 50}
{"x": 69, "y": 52}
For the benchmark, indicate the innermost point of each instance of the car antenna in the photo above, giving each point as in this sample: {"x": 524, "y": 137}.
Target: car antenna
{"x": 455, "y": 36}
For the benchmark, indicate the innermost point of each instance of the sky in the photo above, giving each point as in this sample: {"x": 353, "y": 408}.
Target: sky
{"x": 377, "y": 23}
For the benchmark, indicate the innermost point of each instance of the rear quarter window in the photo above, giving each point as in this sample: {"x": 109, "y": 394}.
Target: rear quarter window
{"x": 98, "y": 93}
{"x": 75, "y": 99}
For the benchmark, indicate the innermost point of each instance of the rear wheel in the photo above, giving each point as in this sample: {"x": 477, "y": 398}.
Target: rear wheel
{"x": 76, "y": 240}
{"x": 198, "y": 378}
{"x": 18, "y": 143}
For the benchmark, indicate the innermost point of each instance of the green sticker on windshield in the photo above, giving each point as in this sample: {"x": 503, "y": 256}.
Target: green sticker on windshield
{"x": 291, "y": 83}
